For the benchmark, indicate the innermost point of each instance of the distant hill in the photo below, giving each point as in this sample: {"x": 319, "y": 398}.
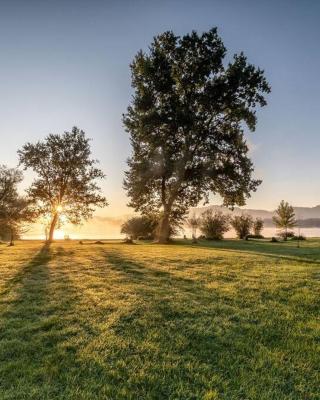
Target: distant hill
{"x": 309, "y": 217}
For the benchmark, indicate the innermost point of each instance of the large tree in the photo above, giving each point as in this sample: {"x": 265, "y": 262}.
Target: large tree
{"x": 186, "y": 123}
{"x": 66, "y": 177}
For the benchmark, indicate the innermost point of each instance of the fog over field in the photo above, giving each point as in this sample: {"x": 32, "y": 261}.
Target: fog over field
{"x": 108, "y": 227}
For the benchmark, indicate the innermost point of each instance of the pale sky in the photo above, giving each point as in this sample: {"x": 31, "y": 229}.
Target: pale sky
{"x": 66, "y": 63}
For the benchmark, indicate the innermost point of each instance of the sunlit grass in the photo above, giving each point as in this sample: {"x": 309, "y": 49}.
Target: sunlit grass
{"x": 229, "y": 320}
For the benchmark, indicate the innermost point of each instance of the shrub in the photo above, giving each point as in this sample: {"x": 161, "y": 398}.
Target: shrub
{"x": 136, "y": 227}
{"x": 299, "y": 237}
{"x": 254, "y": 237}
{"x": 285, "y": 235}
{"x": 274, "y": 240}
{"x": 242, "y": 224}
{"x": 214, "y": 225}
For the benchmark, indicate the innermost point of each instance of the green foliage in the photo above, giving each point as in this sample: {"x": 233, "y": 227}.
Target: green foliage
{"x": 284, "y": 218}
{"x": 242, "y": 224}
{"x": 286, "y": 234}
{"x": 9, "y": 179}
{"x": 258, "y": 227}
{"x": 66, "y": 177}
{"x": 140, "y": 227}
{"x": 298, "y": 237}
{"x": 214, "y": 225}
{"x": 252, "y": 236}
{"x": 186, "y": 124}
{"x": 8, "y": 233}
{"x": 15, "y": 210}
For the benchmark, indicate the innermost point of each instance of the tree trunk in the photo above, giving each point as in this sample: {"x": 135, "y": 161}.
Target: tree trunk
{"x": 52, "y": 227}
{"x": 164, "y": 228}
{"x": 11, "y": 237}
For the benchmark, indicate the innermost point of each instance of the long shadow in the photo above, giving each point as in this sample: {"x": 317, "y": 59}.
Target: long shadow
{"x": 178, "y": 340}
{"x": 196, "y": 334}
{"x": 43, "y": 331}
{"x": 42, "y": 257}
{"x": 306, "y": 255}
{"x": 38, "y": 320}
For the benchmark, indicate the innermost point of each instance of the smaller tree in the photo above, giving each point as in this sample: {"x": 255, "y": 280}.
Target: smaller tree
{"x": 9, "y": 179}
{"x": 242, "y": 224}
{"x": 258, "y": 226}
{"x": 6, "y": 233}
{"x": 15, "y": 210}
{"x": 285, "y": 218}
{"x": 14, "y": 213}
{"x": 194, "y": 222}
{"x": 66, "y": 178}
{"x": 214, "y": 225}
{"x": 142, "y": 226}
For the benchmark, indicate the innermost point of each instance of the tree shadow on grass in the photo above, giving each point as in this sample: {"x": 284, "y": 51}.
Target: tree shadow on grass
{"x": 44, "y": 331}
{"x": 190, "y": 342}
{"x": 39, "y": 331}
{"x": 178, "y": 340}
{"x": 281, "y": 251}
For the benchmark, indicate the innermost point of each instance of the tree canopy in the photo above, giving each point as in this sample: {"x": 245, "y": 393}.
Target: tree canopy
{"x": 214, "y": 225}
{"x": 15, "y": 210}
{"x": 242, "y": 225}
{"x": 66, "y": 177}
{"x": 186, "y": 124}
{"x": 9, "y": 179}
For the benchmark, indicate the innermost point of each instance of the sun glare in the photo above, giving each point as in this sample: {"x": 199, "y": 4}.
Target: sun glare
{"x": 59, "y": 234}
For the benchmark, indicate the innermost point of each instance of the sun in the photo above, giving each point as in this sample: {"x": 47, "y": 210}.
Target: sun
{"x": 59, "y": 208}
{"x": 59, "y": 234}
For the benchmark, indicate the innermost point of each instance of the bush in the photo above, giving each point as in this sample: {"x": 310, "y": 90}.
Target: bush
{"x": 298, "y": 237}
{"x": 254, "y": 237}
{"x": 242, "y": 224}
{"x": 144, "y": 238}
{"x": 136, "y": 227}
{"x": 214, "y": 225}
{"x": 274, "y": 240}
{"x": 285, "y": 235}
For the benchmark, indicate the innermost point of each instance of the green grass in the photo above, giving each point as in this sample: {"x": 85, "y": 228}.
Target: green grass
{"x": 229, "y": 320}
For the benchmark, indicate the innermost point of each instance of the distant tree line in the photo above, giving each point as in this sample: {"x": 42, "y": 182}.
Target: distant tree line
{"x": 213, "y": 225}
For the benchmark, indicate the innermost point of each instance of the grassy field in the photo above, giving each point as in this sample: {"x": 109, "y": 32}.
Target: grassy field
{"x": 229, "y": 320}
